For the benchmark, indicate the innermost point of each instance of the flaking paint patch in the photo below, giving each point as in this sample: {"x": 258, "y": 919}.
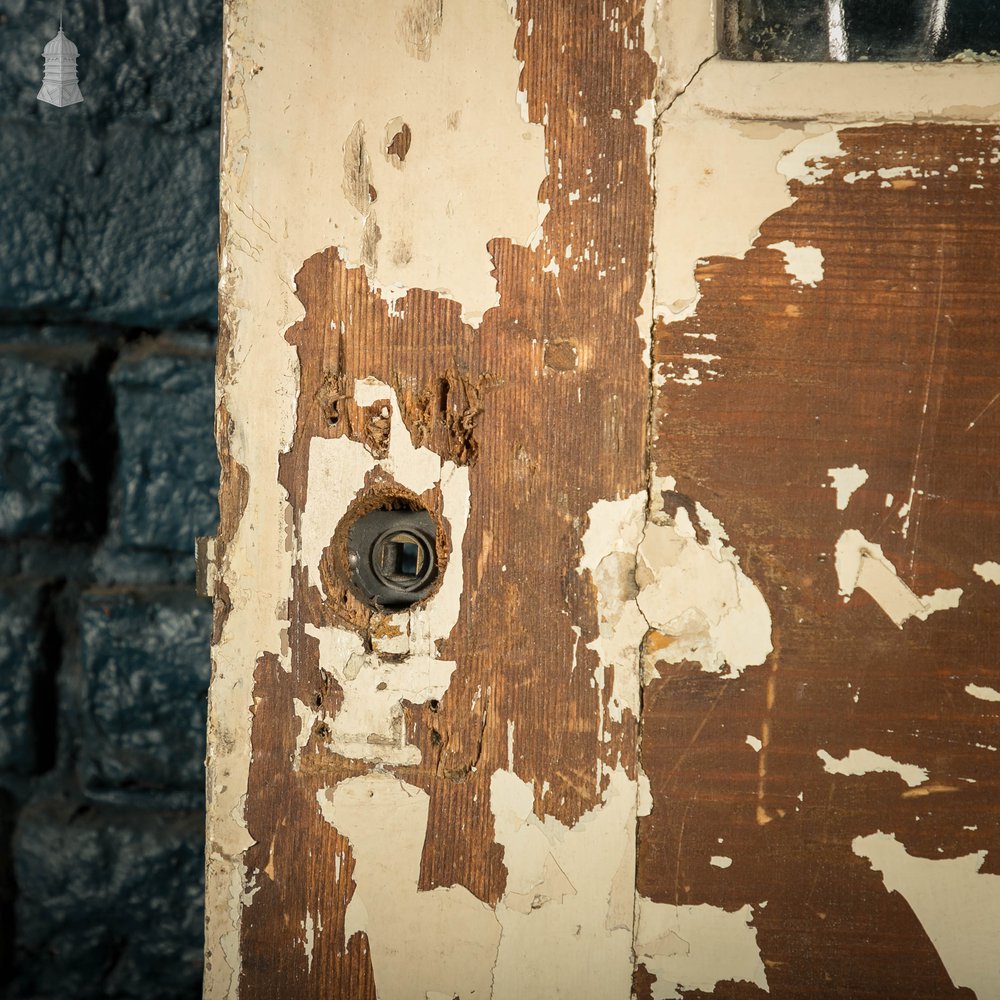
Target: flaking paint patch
{"x": 369, "y": 723}
{"x": 696, "y": 947}
{"x": 958, "y": 905}
{"x": 567, "y": 912}
{"x": 713, "y": 203}
{"x": 803, "y": 263}
{"x": 862, "y": 564}
{"x": 982, "y": 692}
{"x": 565, "y": 919}
{"x": 988, "y": 571}
{"x": 464, "y": 184}
{"x": 443, "y": 940}
{"x": 445, "y": 206}
{"x": 846, "y": 482}
{"x": 610, "y": 542}
{"x": 699, "y": 595}
{"x": 860, "y": 761}
{"x": 733, "y": 134}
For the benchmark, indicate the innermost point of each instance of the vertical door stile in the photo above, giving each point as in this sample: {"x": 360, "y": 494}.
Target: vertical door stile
{"x": 437, "y": 223}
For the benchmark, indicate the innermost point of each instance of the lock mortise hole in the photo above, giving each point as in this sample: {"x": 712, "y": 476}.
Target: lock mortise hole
{"x": 403, "y": 559}
{"x": 393, "y": 553}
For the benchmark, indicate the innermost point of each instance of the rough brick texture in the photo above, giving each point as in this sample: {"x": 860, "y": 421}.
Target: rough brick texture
{"x": 36, "y": 450}
{"x": 145, "y": 681}
{"x": 168, "y": 481}
{"x": 108, "y": 902}
{"x": 21, "y": 666}
{"x": 108, "y": 207}
{"x": 108, "y": 215}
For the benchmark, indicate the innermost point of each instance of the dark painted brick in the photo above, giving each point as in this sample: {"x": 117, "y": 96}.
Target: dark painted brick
{"x": 114, "y": 566}
{"x": 109, "y": 903}
{"x": 168, "y": 473}
{"x": 36, "y": 448}
{"x": 109, "y": 207}
{"x": 8, "y": 818}
{"x": 158, "y": 61}
{"x": 145, "y": 659}
{"x": 116, "y": 225}
{"x": 21, "y": 666}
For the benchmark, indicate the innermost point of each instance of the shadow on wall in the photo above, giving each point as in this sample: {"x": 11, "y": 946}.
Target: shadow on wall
{"x": 108, "y": 211}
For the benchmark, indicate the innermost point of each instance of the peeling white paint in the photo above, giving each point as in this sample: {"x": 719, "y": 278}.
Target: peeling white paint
{"x": 645, "y": 797}
{"x": 988, "y": 571}
{"x": 713, "y": 203}
{"x": 982, "y": 692}
{"x": 803, "y": 263}
{"x": 697, "y": 947}
{"x": 567, "y": 912}
{"x": 720, "y": 861}
{"x": 610, "y": 542}
{"x": 862, "y": 564}
{"x": 699, "y": 595}
{"x": 958, "y": 905}
{"x": 753, "y": 742}
{"x": 565, "y": 918}
{"x": 369, "y": 723}
{"x": 861, "y": 761}
{"x": 444, "y": 940}
{"x": 282, "y": 201}
{"x": 845, "y": 482}
{"x": 733, "y": 134}
{"x": 309, "y": 930}
{"x": 438, "y": 213}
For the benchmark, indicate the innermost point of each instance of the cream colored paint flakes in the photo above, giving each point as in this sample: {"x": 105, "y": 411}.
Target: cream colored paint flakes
{"x": 369, "y": 723}
{"x": 444, "y": 940}
{"x": 568, "y": 909}
{"x": 863, "y": 565}
{"x": 473, "y": 168}
{"x": 803, "y": 263}
{"x": 982, "y": 692}
{"x": 988, "y": 571}
{"x": 697, "y": 947}
{"x": 846, "y": 481}
{"x": 562, "y": 929}
{"x": 699, "y": 594}
{"x": 610, "y": 541}
{"x": 732, "y": 134}
{"x": 860, "y": 761}
{"x": 957, "y": 904}
{"x": 712, "y": 203}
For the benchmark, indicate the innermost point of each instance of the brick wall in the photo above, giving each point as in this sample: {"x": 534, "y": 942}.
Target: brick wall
{"x": 108, "y": 216}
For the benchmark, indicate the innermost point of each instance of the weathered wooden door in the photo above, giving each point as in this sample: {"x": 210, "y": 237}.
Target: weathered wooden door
{"x": 696, "y": 382}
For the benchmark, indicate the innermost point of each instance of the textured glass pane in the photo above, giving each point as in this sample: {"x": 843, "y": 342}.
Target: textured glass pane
{"x": 851, "y": 30}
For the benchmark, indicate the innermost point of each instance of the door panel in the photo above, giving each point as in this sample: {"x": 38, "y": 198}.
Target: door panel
{"x": 703, "y": 700}
{"x": 441, "y": 801}
{"x": 844, "y": 792}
